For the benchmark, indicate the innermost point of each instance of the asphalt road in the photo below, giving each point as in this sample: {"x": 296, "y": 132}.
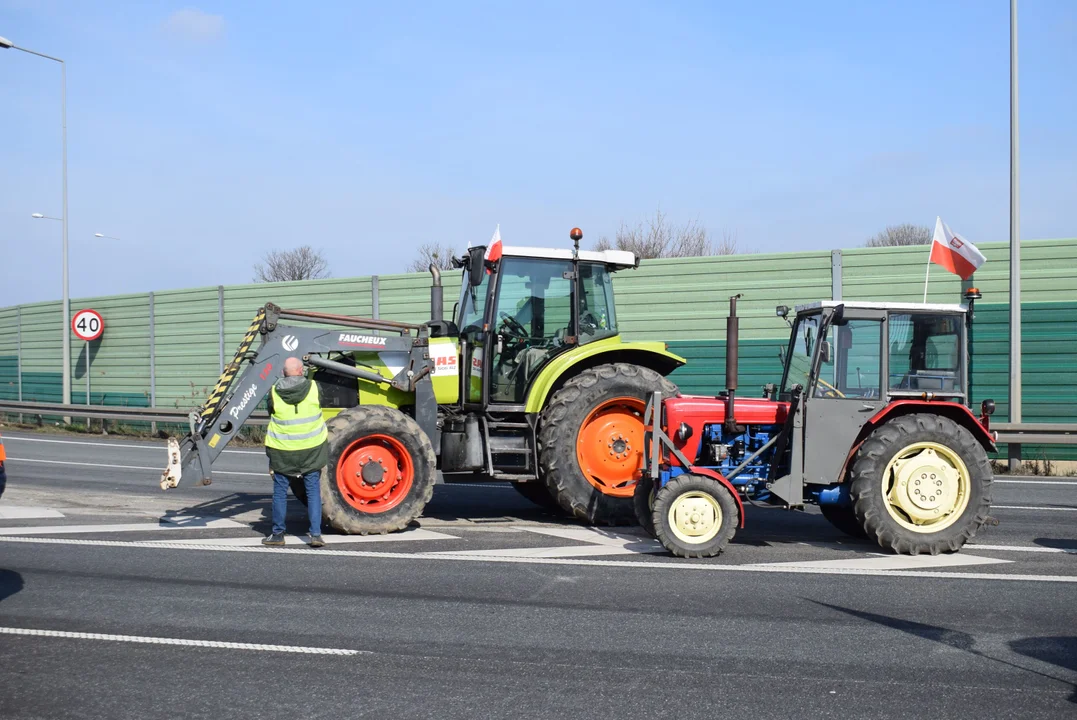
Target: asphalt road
{"x": 493, "y": 608}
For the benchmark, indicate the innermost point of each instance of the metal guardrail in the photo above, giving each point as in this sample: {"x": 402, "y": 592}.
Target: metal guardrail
{"x": 1036, "y": 433}
{"x": 111, "y": 412}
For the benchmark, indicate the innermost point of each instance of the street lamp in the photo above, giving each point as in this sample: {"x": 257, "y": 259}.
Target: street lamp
{"x": 6, "y": 44}
{"x": 106, "y": 237}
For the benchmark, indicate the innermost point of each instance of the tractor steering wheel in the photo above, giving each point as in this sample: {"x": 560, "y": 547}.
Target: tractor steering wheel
{"x": 588, "y": 323}
{"x": 830, "y": 390}
{"x": 513, "y": 325}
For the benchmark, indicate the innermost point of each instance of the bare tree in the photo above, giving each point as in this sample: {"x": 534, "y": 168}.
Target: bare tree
{"x": 302, "y": 263}
{"x": 900, "y": 236}
{"x": 431, "y": 253}
{"x": 659, "y": 236}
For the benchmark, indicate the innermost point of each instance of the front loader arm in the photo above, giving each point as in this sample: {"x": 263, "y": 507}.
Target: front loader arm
{"x": 237, "y": 394}
{"x": 210, "y": 434}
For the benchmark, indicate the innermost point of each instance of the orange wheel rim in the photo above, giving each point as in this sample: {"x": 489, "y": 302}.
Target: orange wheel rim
{"x": 375, "y": 473}
{"x": 609, "y": 446}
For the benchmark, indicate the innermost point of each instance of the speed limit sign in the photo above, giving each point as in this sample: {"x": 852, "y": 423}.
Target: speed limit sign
{"x": 87, "y": 325}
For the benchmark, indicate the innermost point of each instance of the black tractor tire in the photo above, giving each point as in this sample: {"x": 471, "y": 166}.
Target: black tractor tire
{"x": 559, "y": 428}
{"x": 643, "y": 503}
{"x": 843, "y": 518}
{"x": 539, "y": 494}
{"x": 359, "y": 422}
{"x": 667, "y": 497}
{"x": 871, "y": 462}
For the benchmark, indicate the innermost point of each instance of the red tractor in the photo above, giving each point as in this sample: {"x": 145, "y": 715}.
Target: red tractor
{"x": 870, "y": 423}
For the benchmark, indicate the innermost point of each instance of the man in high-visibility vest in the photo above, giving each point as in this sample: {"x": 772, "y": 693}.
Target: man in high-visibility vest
{"x": 297, "y": 443}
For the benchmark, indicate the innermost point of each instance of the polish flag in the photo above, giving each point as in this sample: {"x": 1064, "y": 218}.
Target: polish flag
{"x": 493, "y": 250}
{"x": 954, "y": 252}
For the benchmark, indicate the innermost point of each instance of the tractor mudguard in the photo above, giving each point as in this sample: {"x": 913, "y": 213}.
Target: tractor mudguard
{"x": 608, "y": 350}
{"x": 952, "y": 410}
{"x": 695, "y": 470}
{"x": 955, "y": 411}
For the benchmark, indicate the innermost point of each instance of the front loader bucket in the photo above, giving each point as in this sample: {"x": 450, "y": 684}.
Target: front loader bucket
{"x": 171, "y": 476}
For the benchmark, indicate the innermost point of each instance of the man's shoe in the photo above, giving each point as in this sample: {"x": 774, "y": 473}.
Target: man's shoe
{"x": 274, "y": 540}
{"x": 316, "y": 541}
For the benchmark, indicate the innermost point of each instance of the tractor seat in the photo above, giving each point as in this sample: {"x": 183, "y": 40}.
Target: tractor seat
{"x": 935, "y": 380}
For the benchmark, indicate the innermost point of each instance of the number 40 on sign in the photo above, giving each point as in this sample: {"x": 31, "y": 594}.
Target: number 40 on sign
{"x": 87, "y": 325}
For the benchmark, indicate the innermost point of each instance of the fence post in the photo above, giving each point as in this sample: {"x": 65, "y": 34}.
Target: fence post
{"x": 374, "y": 305}
{"x": 835, "y": 275}
{"x": 153, "y": 364}
{"x": 220, "y": 323}
{"x": 18, "y": 352}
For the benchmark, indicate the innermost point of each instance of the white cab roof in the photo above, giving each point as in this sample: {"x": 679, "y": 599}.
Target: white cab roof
{"x": 899, "y": 306}
{"x": 617, "y": 258}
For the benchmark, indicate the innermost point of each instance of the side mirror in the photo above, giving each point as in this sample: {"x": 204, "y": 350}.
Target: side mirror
{"x": 826, "y": 351}
{"x": 475, "y": 266}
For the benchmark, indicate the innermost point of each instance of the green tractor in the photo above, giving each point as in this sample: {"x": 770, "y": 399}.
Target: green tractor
{"x": 529, "y": 382}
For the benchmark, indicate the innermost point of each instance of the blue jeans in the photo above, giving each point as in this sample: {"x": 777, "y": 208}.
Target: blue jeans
{"x": 313, "y": 481}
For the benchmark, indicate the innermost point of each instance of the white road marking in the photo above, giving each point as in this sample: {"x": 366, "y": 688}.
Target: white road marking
{"x": 488, "y": 485}
{"x": 658, "y": 566}
{"x": 638, "y": 548}
{"x": 1031, "y": 507}
{"x": 181, "y": 641}
{"x": 892, "y": 562}
{"x": 1037, "y": 482}
{"x": 599, "y": 542}
{"x": 405, "y": 536}
{"x": 1021, "y": 548}
{"x": 131, "y": 467}
{"x": 591, "y": 535}
{"x": 177, "y": 522}
{"x": 154, "y": 448}
{"x": 27, "y": 512}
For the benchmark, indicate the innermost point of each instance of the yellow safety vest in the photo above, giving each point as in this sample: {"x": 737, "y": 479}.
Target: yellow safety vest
{"x": 296, "y": 427}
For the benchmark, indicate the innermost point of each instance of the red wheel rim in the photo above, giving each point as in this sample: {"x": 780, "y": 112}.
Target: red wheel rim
{"x": 375, "y": 473}
{"x": 609, "y": 446}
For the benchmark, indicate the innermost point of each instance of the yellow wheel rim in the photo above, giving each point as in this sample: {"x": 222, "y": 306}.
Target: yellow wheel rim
{"x": 695, "y": 517}
{"x": 926, "y": 487}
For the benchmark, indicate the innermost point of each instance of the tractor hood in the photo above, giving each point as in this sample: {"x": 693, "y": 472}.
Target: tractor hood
{"x": 697, "y": 411}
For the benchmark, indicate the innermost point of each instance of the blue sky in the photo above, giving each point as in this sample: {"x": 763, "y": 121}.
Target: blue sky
{"x": 203, "y": 135}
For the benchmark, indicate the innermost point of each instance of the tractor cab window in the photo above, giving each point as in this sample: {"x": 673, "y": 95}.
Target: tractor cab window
{"x": 925, "y": 352}
{"x": 597, "y": 319}
{"x": 851, "y": 360}
{"x": 532, "y": 320}
{"x": 798, "y": 359}
{"x": 472, "y": 305}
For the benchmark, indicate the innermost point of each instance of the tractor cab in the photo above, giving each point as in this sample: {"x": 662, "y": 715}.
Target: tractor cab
{"x": 518, "y": 312}
{"x": 877, "y": 351}
{"x": 853, "y": 359}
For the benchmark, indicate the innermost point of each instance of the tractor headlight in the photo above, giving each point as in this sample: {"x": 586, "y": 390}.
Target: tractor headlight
{"x": 684, "y": 432}
{"x": 987, "y": 408}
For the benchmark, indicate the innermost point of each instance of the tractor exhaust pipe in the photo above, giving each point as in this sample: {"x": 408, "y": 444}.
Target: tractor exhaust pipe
{"x": 732, "y": 356}
{"x": 437, "y": 296}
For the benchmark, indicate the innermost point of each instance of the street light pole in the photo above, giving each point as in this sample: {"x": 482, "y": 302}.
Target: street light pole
{"x": 1014, "y": 450}
{"x": 6, "y": 44}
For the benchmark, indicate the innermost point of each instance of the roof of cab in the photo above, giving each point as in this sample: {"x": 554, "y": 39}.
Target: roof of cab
{"x": 616, "y": 258}
{"x": 865, "y": 305}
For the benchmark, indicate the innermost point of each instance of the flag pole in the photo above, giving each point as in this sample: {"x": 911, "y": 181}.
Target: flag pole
{"x": 928, "y": 273}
